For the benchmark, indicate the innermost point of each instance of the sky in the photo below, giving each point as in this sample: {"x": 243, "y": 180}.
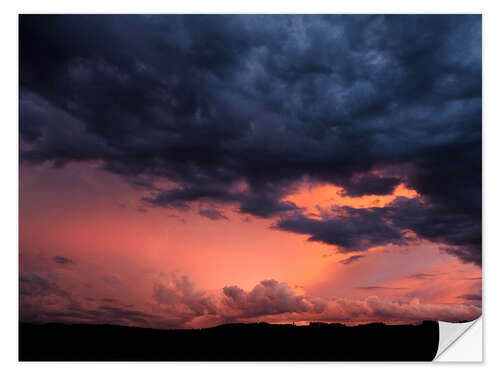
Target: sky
{"x": 185, "y": 171}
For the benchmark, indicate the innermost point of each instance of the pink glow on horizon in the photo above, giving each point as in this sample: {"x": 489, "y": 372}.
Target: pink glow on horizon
{"x": 120, "y": 248}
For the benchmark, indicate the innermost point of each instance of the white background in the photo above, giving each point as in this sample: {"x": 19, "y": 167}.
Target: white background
{"x": 9, "y": 178}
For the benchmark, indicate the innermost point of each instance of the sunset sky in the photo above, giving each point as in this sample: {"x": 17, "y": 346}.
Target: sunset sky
{"x": 190, "y": 171}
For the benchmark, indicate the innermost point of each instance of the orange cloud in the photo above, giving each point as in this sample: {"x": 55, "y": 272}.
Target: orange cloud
{"x": 320, "y": 196}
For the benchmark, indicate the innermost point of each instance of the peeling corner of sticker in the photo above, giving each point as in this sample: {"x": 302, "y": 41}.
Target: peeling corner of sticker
{"x": 449, "y": 333}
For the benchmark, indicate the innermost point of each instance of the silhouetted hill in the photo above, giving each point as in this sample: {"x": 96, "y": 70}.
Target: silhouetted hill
{"x": 230, "y": 342}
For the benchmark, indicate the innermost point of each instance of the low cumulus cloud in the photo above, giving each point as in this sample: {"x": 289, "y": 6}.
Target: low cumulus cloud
{"x": 181, "y": 302}
{"x": 271, "y": 301}
{"x": 177, "y": 303}
{"x": 269, "y": 297}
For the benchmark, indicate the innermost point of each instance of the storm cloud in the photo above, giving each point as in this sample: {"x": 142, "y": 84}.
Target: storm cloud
{"x": 353, "y": 230}
{"x": 216, "y": 103}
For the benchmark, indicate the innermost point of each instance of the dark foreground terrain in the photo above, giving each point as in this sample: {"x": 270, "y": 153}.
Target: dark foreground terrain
{"x": 233, "y": 342}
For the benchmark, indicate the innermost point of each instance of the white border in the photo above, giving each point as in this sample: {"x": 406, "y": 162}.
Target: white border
{"x": 9, "y": 168}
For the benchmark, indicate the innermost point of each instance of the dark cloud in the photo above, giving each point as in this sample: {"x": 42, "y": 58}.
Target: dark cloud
{"x": 351, "y": 259}
{"x": 371, "y": 185}
{"x": 214, "y": 102}
{"x": 62, "y": 260}
{"x": 102, "y": 315}
{"x": 361, "y": 229}
{"x": 212, "y": 214}
{"x": 33, "y": 284}
{"x": 266, "y": 202}
{"x": 118, "y": 314}
{"x": 471, "y": 297}
{"x": 422, "y": 276}
{"x": 43, "y": 299}
{"x": 466, "y": 254}
{"x": 352, "y": 230}
{"x": 441, "y": 224}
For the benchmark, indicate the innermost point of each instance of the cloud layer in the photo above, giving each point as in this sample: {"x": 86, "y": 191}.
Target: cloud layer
{"x": 179, "y": 304}
{"x": 238, "y": 109}
{"x": 353, "y": 229}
